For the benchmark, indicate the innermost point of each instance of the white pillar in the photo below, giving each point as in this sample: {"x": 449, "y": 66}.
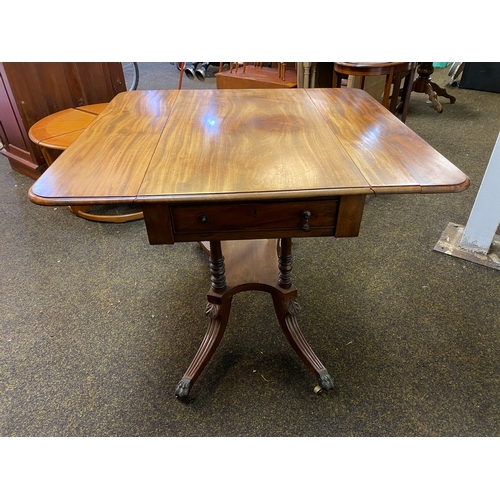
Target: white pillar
{"x": 485, "y": 215}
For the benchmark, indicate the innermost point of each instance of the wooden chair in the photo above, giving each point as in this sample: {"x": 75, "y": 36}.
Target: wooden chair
{"x": 56, "y": 132}
{"x": 395, "y": 98}
{"x": 257, "y": 76}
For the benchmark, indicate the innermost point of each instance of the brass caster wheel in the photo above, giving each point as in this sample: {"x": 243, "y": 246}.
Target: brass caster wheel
{"x": 318, "y": 389}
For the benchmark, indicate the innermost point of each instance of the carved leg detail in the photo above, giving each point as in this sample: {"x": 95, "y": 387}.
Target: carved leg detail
{"x": 325, "y": 381}
{"x": 442, "y": 92}
{"x": 433, "y": 97}
{"x": 285, "y": 263}
{"x": 218, "y": 316}
{"x": 183, "y": 387}
{"x": 217, "y": 267}
{"x": 286, "y": 313}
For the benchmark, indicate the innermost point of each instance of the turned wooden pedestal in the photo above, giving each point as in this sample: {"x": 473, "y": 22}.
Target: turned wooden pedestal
{"x": 239, "y": 266}
{"x": 424, "y": 85}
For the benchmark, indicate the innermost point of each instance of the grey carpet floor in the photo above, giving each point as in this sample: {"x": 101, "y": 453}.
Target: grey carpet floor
{"x": 97, "y": 327}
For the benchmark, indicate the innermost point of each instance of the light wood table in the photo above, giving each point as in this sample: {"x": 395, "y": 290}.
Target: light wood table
{"x": 246, "y": 171}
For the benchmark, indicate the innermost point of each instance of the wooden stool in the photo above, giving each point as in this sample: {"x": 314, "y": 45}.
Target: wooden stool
{"x": 394, "y": 72}
{"x": 56, "y": 132}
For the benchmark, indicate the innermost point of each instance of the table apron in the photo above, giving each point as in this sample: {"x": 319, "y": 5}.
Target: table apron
{"x": 182, "y": 222}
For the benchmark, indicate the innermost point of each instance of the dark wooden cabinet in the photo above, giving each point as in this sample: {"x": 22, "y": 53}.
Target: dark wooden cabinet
{"x": 481, "y": 76}
{"x": 30, "y": 91}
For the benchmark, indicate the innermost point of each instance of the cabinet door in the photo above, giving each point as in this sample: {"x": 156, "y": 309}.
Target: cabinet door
{"x": 30, "y": 91}
{"x": 23, "y": 156}
{"x": 41, "y": 89}
{"x": 10, "y": 129}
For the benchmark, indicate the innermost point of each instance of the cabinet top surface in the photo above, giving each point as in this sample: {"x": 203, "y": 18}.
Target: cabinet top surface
{"x": 228, "y": 145}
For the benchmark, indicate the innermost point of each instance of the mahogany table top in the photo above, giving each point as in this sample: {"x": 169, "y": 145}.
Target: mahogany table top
{"x": 216, "y": 145}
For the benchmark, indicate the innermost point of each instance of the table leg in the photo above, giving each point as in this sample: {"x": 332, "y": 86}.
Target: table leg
{"x": 251, "y": 265}
{"x": 217, "y": 311}
{"x": 218, "y": 316}
{"x": 424, "y": 85}
{"x": 286, "y": 310}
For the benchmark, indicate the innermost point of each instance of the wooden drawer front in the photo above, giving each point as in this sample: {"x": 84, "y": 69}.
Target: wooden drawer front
{"x": 258, "y": 217}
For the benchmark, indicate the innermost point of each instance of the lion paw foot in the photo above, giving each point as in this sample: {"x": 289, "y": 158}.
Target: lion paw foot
{"x": 325, "y": 380}
{"x": 183, "y": 387}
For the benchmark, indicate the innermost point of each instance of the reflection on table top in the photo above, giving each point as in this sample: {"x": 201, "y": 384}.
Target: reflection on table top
{"x": 229, "y": 145}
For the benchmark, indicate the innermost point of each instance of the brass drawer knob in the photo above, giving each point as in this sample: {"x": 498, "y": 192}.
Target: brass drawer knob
{"x": 306, "y": 214}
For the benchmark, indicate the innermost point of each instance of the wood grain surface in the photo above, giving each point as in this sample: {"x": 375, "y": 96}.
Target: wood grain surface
{"x": 108, "y": 161}
{"x": 391, "y": 157}
{"x": 253, "y": 144}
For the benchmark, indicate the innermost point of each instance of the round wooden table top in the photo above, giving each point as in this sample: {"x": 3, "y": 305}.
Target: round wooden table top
{"x": 59, "y": 130}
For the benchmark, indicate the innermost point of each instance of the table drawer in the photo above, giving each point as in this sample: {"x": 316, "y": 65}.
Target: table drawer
{"x": 300, "y": 216}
